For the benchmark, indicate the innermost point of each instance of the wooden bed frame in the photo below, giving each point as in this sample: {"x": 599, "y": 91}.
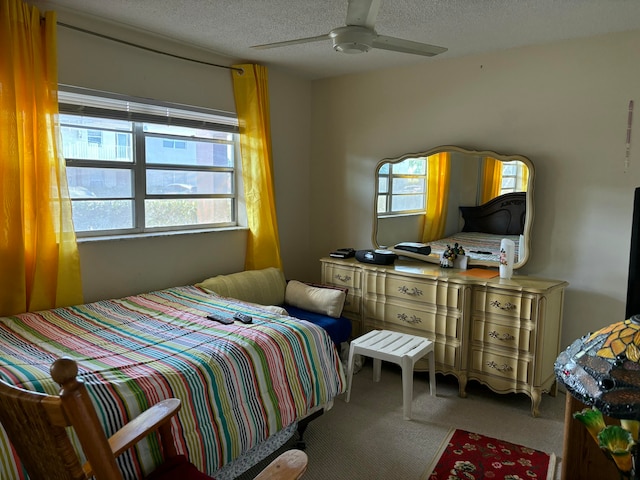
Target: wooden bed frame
{"x": 504, "y": 215}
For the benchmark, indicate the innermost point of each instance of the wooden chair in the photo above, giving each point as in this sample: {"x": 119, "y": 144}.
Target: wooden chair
{"x": 36, "y": 425}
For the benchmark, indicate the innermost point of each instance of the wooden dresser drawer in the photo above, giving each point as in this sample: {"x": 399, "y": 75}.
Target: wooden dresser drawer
{"x": 423, "y": 292}
{"x": 502, "y": 366}
{"x": 348, "y": 277}
{"x": 426, "y": 320}
{"x": 494, "y": 333}
{"x": 495, "y": 302}
{"x": 341, "y": 276}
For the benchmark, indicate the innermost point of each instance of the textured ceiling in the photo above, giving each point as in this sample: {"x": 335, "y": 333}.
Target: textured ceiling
{"x": 230, "y": 27}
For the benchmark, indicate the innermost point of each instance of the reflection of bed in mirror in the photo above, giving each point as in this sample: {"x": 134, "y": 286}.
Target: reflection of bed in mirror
{"x": 484, "y": 228}
{"x": 402, "y": 186}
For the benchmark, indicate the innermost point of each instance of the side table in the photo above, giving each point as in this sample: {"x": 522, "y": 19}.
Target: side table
{"x": 400, "y": 348}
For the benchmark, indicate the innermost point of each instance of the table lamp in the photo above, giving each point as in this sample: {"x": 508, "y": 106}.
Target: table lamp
{"x": 602, "y": 370}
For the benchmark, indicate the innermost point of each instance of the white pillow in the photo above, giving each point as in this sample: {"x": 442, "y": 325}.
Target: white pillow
{"x": 327, "y": 301}
{"x": 275, "y": 309}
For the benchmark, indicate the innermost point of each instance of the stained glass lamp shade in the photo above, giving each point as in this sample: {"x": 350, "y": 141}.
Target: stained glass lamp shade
{"x": 602, "y": 369}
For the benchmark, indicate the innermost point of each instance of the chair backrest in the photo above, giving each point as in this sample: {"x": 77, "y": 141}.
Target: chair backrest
{"x": 35, "y": 424}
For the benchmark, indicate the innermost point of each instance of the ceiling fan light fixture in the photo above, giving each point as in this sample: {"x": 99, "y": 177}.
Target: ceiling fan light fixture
{"x": 352, "y": 39}
{"x": 351, "y": 48}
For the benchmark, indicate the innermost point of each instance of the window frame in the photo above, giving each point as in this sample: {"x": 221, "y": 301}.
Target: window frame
{"x": 390, "y": 176}
{"x": 93, "y": 104}
{"x": 517, "y": 177}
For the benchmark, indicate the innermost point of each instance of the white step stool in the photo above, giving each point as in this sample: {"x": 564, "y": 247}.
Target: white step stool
{"x": 400, "y": 348}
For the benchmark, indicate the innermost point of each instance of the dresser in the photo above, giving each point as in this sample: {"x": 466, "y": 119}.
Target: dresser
{"x": 502, "y": 333}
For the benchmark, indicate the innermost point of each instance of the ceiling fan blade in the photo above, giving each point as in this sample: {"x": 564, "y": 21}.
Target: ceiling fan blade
{"x": 406, "y": 46}
{"x": 363, "y": 12}
{"x": 291, "y": 42}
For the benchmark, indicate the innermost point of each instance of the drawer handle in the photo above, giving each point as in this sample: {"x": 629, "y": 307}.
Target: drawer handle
{"x": 342, "y": 278}
{"x": 409, "y": 319}
{"x": 504, "y": 337}
{"x": 415, "y": 292}
{"x": 501, "y": 368}
{"x": 507, "y": 306}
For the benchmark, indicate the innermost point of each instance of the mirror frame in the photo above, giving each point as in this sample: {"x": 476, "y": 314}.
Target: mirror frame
{"x": 477, "y": 153}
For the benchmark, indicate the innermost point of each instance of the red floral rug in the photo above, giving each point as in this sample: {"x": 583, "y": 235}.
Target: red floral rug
{"x": 470, "y": 456}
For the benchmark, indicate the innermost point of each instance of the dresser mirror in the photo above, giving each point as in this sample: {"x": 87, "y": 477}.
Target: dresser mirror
{"x": 489, "y": 196}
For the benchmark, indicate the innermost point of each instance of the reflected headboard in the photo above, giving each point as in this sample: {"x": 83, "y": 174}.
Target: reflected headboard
{"x": 503, "y": 215}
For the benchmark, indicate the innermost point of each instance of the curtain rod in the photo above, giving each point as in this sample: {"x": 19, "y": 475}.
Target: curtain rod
{"x": 72, "y": 27}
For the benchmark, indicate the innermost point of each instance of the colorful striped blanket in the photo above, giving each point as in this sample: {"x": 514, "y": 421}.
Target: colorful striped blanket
{"x": 239, "y": 384}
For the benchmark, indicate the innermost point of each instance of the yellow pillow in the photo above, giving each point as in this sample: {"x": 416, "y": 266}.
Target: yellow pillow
{"x": 265, "y": 287}
{"x": 327, "y": 301}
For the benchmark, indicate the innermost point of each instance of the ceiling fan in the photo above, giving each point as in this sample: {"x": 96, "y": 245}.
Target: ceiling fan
{"x": 359, "y": 35}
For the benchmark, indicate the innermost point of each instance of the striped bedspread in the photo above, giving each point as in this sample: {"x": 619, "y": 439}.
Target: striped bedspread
{"x": 239, "y": 383}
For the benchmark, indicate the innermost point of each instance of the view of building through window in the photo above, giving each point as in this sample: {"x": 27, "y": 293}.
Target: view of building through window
{"x": 128, "y": 176}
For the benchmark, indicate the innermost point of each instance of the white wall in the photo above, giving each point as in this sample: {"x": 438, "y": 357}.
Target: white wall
{"x": 128, "y": 266}
{"x": 563, "y": 105}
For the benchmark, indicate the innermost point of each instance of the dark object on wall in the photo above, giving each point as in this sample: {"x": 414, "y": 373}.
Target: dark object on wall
{"x": 377, "y": 257}
{"x": 633, "y": 281}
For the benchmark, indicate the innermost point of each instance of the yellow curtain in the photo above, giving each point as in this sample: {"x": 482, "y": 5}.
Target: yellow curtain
{"x": 252, "y": 104}
{"x": 524, "y": 178}
{"x": 438, "y": 173}
{"x": 491, "y": 179}
{"x": 40, "y": 265}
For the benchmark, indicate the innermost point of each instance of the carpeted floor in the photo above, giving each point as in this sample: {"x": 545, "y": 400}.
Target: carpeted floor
{"x": 367, "y": 438}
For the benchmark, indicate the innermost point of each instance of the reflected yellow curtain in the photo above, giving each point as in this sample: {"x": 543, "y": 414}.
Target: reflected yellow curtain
{"x": 524, "y": 178}
{"x": 491, "y": 179}
{"x": 252, "y": 104}
{"x": 40, "y": 265}
{"x": 438, "y": 173}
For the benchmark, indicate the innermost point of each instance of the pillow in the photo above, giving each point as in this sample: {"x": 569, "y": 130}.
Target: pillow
{"x": 327, "y": 301}
{"x": 265, "y": 287}
{"x": 275, "y": 309}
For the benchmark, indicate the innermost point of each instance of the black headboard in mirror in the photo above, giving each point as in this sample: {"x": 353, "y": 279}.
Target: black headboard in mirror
{"x": 450, "y": 195}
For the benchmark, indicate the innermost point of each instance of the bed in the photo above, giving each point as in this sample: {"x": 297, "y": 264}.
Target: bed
{"x": 240, "y": 385}
{"x": 484, "y": 228}
{"x": 480, "y": 246}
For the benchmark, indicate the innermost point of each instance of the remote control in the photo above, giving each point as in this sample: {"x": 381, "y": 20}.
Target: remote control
{"x": 219, "y": 318}
{"x": 243, "y": 317}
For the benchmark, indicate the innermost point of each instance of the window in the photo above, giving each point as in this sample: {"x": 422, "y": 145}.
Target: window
{"x": 135, "y": 167}
{"x": 94, "y": 136}
{"x": 512, "y": 177}
{"x": 402, "y": 187}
